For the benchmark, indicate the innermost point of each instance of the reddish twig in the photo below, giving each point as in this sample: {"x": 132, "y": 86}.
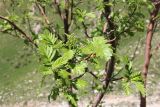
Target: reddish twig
{"x": 149, "y": 36}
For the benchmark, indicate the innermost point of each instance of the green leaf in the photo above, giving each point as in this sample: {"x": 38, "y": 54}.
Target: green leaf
{"x": 54, "y": 93}
{"x": 130, "y": 65}
{"x": 87, "y": 49}
{"x": 48, "y": 38}
{"x": 91, "y": 15}
{"x": 140, "y": 87}
{"x": 127, "y": 88}
{"x": 80, "y": 68}
{"x": 72, "y": 41}
{"x": 64, "y": 74}
{"x": 47, "y": 53}
{"x": 63, "y": 60}
{"x": 137, "y": 80}
{"x": 46, "y": 70}
{"x": 81, "y": 84}
{"x": 99, "y": 47}
{"x": 71, "y": 99}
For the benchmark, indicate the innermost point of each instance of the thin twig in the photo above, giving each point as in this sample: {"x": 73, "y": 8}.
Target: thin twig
{"x": 116, "y": 79}
{"x": 74, "y": 79}
{"x": 88, "y": 57}
{"x": 90, "y": 72}
{"x": 85, "y": 30}
{"x": 134, "y": 53}
{"x": 42, "y": 12}
{"x": 71, "y": 14}
{"x": 29, "y": 26}
{"x": 18, "y": 29}
{"x": 110, "y": 41}
{"x": 86, "y": 71}
{"x": 57, "y": 4}
{"x": 72, "y": 6}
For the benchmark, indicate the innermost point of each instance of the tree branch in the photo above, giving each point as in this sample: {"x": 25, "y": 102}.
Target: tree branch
{"x": 85, "y": 30}
{"x": 134, "y": 53}
{"x": 109, "y": 69}
{"x": 56, "y": 2}
{"x": 116, "y": 79}
{"x": 150, "y": 31}
{"x": 18, "y": 29}
{"x": 110, "y": 41}
{"x": 42, "y": 12}
{"x": 86, "y": 71}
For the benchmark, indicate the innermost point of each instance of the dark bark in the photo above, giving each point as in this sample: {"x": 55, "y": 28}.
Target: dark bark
{"x": 66, "y": 25}
{"x": 150, "y": 30}
{"x": 109, "y": 69}
{"x": 65, "y": 18}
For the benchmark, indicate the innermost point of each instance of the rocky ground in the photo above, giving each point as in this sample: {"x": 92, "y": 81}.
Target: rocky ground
{"x": 31, "y": 98}
{"x": 153, "y": 100}
{"x": 110, "y": 101}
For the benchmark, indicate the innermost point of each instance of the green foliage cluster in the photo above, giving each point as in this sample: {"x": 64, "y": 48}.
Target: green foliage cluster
{"x": 69, "y": 61}
{"x": 88, "y": 47}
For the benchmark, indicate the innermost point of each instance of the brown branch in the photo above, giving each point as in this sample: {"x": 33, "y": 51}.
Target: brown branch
{"x": 42, "y": 12}
{"x": 156, "y": 3}
{"x": 57, "y": 4}
{"x": 150, "y": 31}
{"x": 18, "y": 29}
{"x": 110, "y": 41}
{"x": 66, "y": 18}
{"x": 72, "y": 6}
{"x": 111, "y": 27}
{"x": 71, "y": 14}
{"x": 109, "y": 69}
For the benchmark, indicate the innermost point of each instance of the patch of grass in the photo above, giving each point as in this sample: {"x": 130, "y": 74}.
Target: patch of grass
{"x": 19, "y": 79}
